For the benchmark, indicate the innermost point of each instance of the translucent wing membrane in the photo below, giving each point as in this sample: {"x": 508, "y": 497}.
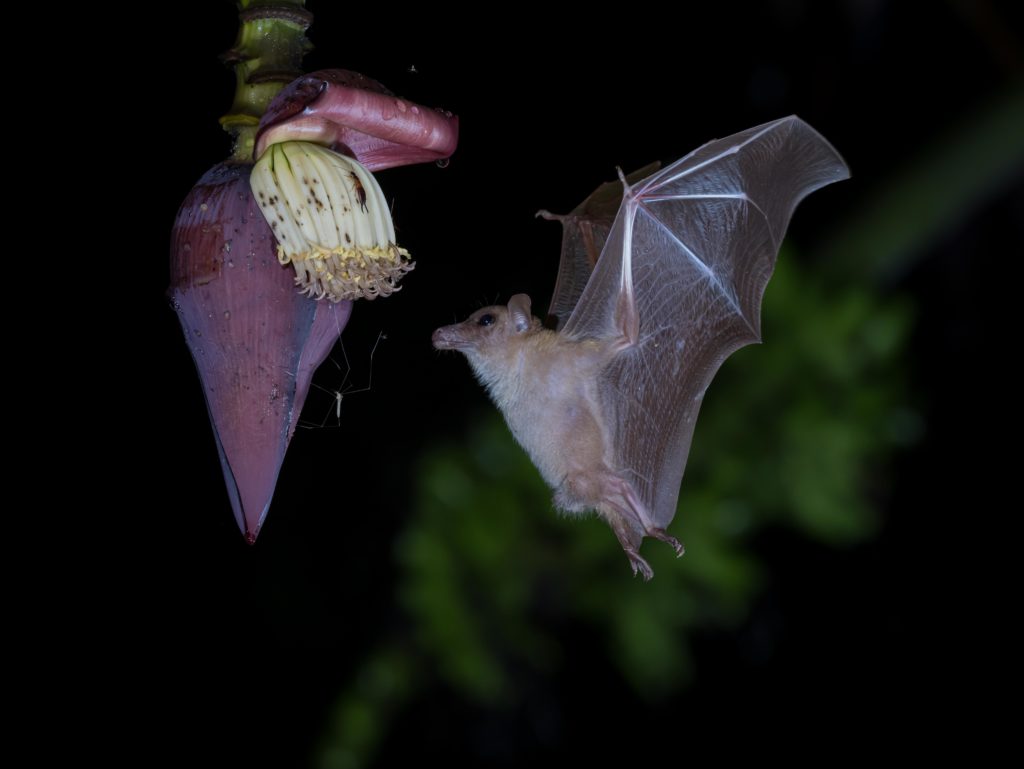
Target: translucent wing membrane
{"x": 692, "y": 247}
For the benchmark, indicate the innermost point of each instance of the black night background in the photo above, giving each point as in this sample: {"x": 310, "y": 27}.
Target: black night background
{"x": 412, "y": 595}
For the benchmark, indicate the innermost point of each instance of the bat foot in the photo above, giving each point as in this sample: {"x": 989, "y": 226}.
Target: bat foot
{"x": 629, "y": 531}
{"x": 639, "y": 565}
{"x": 664, "y": 536}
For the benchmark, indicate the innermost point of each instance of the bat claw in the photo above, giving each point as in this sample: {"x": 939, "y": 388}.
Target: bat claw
{"x": 622, "y": 178}
{"x": 640, "y": 565}
{"x": 664, "y": 536}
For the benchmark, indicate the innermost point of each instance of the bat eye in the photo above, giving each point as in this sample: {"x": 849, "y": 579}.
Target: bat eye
{"x": 486, "y": 320}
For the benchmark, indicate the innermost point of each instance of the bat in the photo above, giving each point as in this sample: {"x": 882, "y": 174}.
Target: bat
{"x": 661, "y": 279}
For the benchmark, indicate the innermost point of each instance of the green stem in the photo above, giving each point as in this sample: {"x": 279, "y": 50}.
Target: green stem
{"x": 266, "y": 56}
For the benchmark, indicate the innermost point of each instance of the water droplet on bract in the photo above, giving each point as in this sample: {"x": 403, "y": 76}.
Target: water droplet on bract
{"x": 442, "y": 163}
{"x": 227, "y": 314}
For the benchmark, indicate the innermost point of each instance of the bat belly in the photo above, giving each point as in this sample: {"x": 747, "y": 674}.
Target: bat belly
{"x": 563, "y": 436}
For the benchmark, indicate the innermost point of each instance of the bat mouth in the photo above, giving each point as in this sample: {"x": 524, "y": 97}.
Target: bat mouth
{"x": 447, "y": 339}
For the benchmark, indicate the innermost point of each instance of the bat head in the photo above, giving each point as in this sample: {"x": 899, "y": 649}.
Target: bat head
{"x": 488, "y": 328}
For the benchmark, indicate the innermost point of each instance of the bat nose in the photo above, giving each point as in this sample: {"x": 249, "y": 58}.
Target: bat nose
{"x": 440, "y": 338}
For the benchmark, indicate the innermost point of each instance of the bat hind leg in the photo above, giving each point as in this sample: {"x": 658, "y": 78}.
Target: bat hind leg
{"x": 581, "y": 492}
{"x": 625, "y": 490}
{"x": 627, "y": 537}
{"x": 664, "y": 536}
{"x": 629, "y": 522}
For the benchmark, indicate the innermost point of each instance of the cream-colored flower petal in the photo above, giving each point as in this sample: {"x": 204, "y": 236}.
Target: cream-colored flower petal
{"x": 331, "y": 222}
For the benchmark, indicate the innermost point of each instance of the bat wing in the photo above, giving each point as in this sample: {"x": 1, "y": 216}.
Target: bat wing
{"x": 584, "y": 232}
{"x": 690, "y": 252}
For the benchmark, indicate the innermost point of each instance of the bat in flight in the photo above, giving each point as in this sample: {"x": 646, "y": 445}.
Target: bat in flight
{"x": 660, "y": 280}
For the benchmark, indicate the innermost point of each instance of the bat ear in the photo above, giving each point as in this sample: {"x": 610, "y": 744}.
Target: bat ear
{"x": 519, "y": 310}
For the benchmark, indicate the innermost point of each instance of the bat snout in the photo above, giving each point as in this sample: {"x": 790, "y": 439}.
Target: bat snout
{"x": 447, "y": 338}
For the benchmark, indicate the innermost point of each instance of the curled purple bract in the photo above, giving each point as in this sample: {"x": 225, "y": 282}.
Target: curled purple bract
{"x": 256, "y": 341}
{"x": 360, "y": 117}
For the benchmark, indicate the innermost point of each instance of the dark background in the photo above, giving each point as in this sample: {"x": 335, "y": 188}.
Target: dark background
{"x": 238, "y": 653}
